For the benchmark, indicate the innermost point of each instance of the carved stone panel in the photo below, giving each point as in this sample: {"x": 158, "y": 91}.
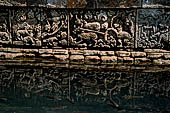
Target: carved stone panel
{"x": 153, "y": 28}
{"x": 102, "y": 28}
{"x": 26, "y": 27}
{"x": 57, "y": 3}
{"x": 5, "y": 35}
{"x": 5, "y": 3}
{"x": 36, "y": 2}
{"x": 55, "y": 28}
{"x": 156, "y": 3}
{"x": 18, "y": 2}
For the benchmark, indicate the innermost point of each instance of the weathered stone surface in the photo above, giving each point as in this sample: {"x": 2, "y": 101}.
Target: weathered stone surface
{"x": 45, "y": 51}
{"x": 77, "y": 59}
{"x": 156, "y": 3}
{"x": 120, "y": 59}
{"x": 138, "y": 54}
{"x": 14, "y": 55}
{"x": 167, "y": 55}
{"x": 92, "y": 60}
{"x": 152, "y": 50}
{"x": 91, "y": 52}
{"x": 161, "y": 62}
{"x": 63, "y": 58}
{"x": 108, "y": 59}
{"x": 128, "y": 60}
{"x": 107, "y": 53}
{"x": 46, "y": 55}
{"x": 153, "y": 29}
{"x": 60, "y": 51}
{"x": 29, "y": 50}
{"x": 76, "y": 52}
{"x": 18, "y": 2}
{"x": 14, "y": 50}
{"x": 99, "y": 29}
{"x": 123, "y": 53}
{"x": 112, "y": 3}
{"x": 154, "y": 55}
{"x": 142, "y": 60}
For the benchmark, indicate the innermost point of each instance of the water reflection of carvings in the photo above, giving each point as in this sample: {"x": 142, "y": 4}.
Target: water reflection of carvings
{"x": 87, "y": 86}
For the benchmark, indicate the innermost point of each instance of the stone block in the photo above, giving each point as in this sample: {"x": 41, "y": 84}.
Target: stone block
{"x": 77, "y": 59}
{"x": 45, "y": 51}
{"x": 156, "y": 3}
{"x": 91, "y": 52}
{"x": 107, "y": 53}
{"x": 14, "y": 55}
{"x": 138, "y": 54}
{"x": 29, "y": 50}
{"x": 123, "y": 53}
{"x": 154, "y": 55}
{"x": 161, "y": 62}
{"x": 61, "y": 58}
{"x": 142, "y": 60}
{"x": 128, "y": 60}
{"x": 92, "y": 60}
{"x": 60, "y": 51}
{"x": 76, "y": 52}
{"x": 166, "y": 55}
{"x": 108, "y": 59}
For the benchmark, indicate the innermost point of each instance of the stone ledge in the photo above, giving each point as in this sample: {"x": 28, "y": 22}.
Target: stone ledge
{"x": 77, "y": 59}
{"x": 123, "y": 53}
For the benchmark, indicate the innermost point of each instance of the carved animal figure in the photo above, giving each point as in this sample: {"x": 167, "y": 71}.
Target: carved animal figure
{"x": 22, "y": 33}
{"x": 88, "y": 36}
{"x": 4, "y": 36}
{"x": 92, "y": 25}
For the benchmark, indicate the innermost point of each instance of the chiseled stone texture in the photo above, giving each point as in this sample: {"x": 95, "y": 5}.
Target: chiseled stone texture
{"x": 128, "y": 60}
{"x": 138, "y": 54}
{"x": 156, "y": 3}
{"x": 123, "y": 53}
{"x": 108, "y": 59}
{"x": 77, "y": 59}
{"x": 91, "y": 52}
{"x": 142, "y": 60}
{"x": 167, "y": 55}
{"x": 92, "y": 60}
{"x": 76, "y": 52}
{"x": 61, "y": 58}
{"x": 154, "y": 55}
{"x": 107, "y": 53}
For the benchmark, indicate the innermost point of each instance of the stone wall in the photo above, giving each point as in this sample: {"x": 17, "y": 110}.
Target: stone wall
{"x": 85, "y": 32}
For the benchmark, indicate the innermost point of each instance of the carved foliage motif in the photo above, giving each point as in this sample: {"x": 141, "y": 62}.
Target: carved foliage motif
{"x": 102, "y": 29}
{"x": 5, "y": 35}
{"x": 26, "y": 26}
{"x": 54, "y": 28}
{"x": 153, "y": 28}
{"x": 87, "y": 29}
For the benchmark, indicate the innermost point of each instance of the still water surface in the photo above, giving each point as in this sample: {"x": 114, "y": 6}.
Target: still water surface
{"x": 61, "y": 90}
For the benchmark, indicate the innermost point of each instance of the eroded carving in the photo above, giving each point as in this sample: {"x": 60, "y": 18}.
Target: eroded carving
{"x": 5, "y": 35}
{"x": 99, "y": 29}
{"x": 26, "y": 27}
{"x": 153, "y": 28}
{"x": 55, "y": 28}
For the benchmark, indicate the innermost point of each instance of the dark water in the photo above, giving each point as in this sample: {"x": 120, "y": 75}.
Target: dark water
{"x": 61, "y": 90}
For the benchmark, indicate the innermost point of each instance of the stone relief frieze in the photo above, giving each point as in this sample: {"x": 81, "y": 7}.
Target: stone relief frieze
{"x": 153, "y": 28}
{"x": 5, "y": 35}
{"x": 102, "y": 28}
{"x": 26, "y": 26}
{"x": 54, "y": 28}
